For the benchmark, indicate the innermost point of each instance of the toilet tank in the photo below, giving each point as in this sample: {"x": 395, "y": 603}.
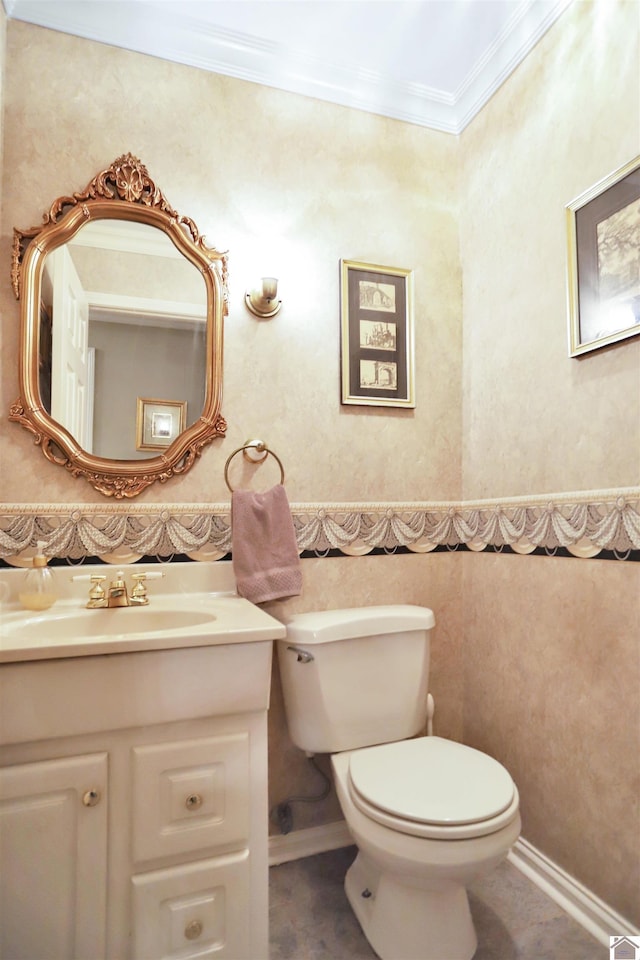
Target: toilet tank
{"x": 356, "y": 677}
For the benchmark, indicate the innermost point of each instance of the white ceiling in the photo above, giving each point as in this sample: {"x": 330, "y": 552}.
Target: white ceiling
{"x": 430, "y": 62}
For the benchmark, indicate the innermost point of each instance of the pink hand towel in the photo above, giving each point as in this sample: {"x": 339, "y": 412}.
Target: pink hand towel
{"x": 264, "y": 548}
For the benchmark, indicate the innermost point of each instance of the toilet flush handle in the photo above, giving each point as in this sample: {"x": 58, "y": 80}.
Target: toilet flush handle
{"x": 303, "y": 655}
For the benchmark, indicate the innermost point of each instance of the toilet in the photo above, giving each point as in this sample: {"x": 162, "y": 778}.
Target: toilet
{"x": 427, "y": 815}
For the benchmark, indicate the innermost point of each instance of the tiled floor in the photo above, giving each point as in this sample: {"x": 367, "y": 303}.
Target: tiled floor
{"x": 310, "y": 918}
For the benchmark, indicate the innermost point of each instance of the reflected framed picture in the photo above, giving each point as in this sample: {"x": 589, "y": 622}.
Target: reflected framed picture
{"x": 377, "y": 335}
{"x": 159, "y": 422}
{"x": 603, "y": 234}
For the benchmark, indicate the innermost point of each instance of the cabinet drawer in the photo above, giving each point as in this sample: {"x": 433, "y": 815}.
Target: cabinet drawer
{"x": 190, "y": 796}
{"x": 195, "y": 910}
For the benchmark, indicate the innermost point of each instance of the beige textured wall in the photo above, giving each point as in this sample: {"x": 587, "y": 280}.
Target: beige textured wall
{"x": 551, "y": 680}
{"x": 550, "y": 653}
{"x": 288, "y": 185}
{"x": 536, "y": 421}
{"x": 4, "y": 249}
{"x": 3, "y": 48}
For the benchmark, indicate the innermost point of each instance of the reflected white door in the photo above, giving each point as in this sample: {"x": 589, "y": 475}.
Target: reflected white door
{"x": 71, "y": 366}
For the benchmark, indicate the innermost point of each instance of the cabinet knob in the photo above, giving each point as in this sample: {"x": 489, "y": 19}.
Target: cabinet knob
{"x": 193, "y": 801}
{"x": 193, "y": 930}
{"x": 91, "y": 797}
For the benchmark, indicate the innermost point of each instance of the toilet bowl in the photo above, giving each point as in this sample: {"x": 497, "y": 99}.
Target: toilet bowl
{"x": 428, "y": 815}
{"x": 408, "y": 883}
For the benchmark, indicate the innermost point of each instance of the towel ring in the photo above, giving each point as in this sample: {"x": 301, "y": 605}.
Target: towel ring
{"x": 259, "y": 446}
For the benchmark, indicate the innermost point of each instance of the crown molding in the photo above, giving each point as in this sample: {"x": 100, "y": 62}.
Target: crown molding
{"x": 155, "y": 29}
{"x": 527, "y": 26}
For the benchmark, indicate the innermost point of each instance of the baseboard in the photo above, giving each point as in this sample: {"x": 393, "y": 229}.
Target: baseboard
{"x": 586, "y": 909}
{"x": 308, "y": 842}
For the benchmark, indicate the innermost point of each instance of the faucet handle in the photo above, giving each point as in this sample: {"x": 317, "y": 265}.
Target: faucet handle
{"x": 139, "y": 592}
{"x": 97, "y": 596}
{"x": 97, "y": 590}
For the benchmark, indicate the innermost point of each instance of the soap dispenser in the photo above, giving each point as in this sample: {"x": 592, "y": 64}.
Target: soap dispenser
{"x": 38, "y": 591}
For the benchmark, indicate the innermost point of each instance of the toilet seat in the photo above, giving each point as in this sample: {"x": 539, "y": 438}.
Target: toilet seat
{"x": 433, "y": 788}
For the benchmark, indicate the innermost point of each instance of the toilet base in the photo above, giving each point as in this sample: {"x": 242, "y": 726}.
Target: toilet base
{"x": 403, "y": 922}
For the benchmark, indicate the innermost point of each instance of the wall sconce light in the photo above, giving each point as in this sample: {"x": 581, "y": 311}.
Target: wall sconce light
{"x": 263, "y": 301}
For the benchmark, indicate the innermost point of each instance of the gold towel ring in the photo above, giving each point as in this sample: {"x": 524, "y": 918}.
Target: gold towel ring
{"x": 259, "y": 446}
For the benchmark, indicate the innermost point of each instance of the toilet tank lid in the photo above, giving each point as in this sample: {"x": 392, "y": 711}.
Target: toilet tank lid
{"x": 325, "y": 626}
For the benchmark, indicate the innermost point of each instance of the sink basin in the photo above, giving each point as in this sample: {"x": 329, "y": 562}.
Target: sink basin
{"x": 114, "y": 622}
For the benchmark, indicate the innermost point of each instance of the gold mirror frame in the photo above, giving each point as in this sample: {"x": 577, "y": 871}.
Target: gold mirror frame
{"x": 124, "y": 191}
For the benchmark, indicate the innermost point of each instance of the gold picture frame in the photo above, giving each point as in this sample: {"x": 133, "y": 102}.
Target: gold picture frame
{"x": 159, "y": 422}
{"x": 603, "y": 261}
{"x": 377, "y": 335}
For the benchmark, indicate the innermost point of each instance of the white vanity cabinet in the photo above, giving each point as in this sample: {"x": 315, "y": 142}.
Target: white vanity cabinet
{"x": 133, "y": 805}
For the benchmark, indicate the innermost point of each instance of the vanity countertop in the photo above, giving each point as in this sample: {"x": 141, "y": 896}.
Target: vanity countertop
{"x": 170, "y": 621}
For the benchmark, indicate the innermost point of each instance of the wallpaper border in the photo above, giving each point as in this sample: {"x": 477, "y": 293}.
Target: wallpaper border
{"x": 584, "y": 524}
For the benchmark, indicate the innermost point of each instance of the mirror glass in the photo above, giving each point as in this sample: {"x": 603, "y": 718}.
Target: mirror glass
{"x": 120, "y": 363}
{"x": 127, "y": 319}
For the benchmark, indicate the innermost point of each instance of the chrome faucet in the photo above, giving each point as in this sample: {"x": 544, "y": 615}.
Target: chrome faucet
{"x": 116, "y": 594}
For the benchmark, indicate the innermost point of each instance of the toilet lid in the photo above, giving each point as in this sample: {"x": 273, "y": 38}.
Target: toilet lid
{"x": 431, "y": 780}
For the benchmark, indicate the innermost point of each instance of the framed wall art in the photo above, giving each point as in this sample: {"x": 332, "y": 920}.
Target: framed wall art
{"x": 159, "y": 422}
{"x": 377, "y": 335}
{"x": 603, "y": 233}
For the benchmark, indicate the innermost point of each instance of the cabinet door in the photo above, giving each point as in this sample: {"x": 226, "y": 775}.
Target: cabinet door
{"x": 53, "y": 859}
{"x": 195, "y": 910}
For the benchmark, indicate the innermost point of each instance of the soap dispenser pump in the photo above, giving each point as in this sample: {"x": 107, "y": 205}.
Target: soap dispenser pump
{"x": 38, "y": 590}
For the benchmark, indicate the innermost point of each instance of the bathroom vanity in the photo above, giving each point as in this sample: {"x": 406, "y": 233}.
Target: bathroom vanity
{"x": 133, "y": 780}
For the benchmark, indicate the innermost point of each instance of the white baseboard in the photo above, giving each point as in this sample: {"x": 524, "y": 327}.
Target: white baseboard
{"x": 585, "y": 908}
{"x": 306, "y": 843}
{"x": 580, "y": 903}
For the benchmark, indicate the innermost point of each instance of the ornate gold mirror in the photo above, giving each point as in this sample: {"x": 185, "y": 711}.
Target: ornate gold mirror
{"x": 122, "y": 308}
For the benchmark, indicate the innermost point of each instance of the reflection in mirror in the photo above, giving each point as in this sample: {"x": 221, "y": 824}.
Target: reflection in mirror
{"x": 145, "y": 311}
{"x": 122, "y": 307}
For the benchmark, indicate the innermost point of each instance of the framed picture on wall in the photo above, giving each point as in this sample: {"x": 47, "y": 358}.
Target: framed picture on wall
{"x": 159, "y": 422}
{"x": 603, "y": 232}
{"x": 377, "y": 335}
